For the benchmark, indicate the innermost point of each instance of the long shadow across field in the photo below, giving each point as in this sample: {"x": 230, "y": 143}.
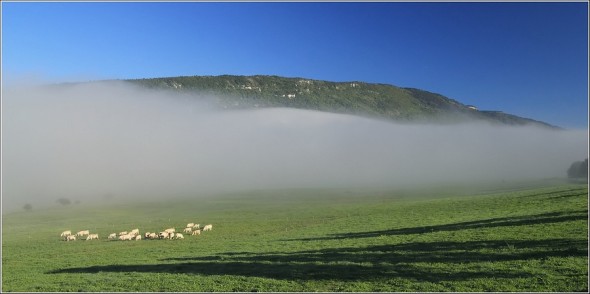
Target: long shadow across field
{"x": 443, "y": 252}
{"x": 415, "y": 260}
{"x": 568, "y": 196}
{"x": 545, "y": 218}
{"x": 307, "y": 271}
{"x": 557, "y": 194}
{"x": 408, "y": 261}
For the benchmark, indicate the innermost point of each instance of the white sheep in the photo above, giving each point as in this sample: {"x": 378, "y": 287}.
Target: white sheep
{"x": 163, "y": 235}
{"x": 138, "y": 237}
{"x": 152, "y": 236}
{"x": 70, "y": 238}
{"x": 187, "y": 230}
{"x": 123, "y": 233}
{"x": 134, "y": 232}
{"x": 66, "y": 233}
{"x": 92, "y": 237}
{"x": 113, "y": 236}
{"x": 83, "y": 233}
{"x": 179, "y": 236}
{"x": 190, "y": 225}
{"x": 170, "y": 230}
{"x": 208, "y": 228}
{"x": 125, "y": 237}
{"x": 196, "y": 226}
{"x": 196, "y": 232}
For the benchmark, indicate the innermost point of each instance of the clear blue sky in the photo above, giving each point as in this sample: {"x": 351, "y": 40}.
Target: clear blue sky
{"x": 528, "y": 59}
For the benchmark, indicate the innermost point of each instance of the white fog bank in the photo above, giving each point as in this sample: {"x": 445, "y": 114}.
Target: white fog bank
{"x": 89, "y": 140}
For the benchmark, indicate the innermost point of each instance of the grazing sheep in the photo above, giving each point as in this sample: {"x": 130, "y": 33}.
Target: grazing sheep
{"x": 123, "y": 233}
{"x": 169, "y": 231}
{"x": 196, "y": 226}
{"x": 196, "y": 232}
{"x": 138, "y": 237}
{"x": 179, "y": 236}
{"x": 92, "y": 237}
{"x": 208, "y": 228}
{"x": 125, "y": 237}
{"x": 190, "y": 225}
{"x": 70, "y": 238}
{"x": 134, "y": 232}
{"x": 113, "y": 236}
{"x": 66, "y": 233}
{"x": 187, "y": 230}
{"x": 83, "y": 233}
{"x": 152, "y": 236}
{"x": 163, "y": 235}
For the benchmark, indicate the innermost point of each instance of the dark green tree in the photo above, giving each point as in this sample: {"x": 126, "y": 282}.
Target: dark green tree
{"x": 578, "y": 169}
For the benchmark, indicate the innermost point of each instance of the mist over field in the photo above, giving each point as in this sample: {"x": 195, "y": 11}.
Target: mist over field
{"x": 87, "y": 141}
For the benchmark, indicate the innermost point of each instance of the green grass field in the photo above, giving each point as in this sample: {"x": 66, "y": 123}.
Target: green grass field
{"x": 525, "y": 239}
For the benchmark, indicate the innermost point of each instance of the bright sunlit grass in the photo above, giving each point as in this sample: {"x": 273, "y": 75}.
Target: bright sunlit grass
{"x": 311, "y": 240}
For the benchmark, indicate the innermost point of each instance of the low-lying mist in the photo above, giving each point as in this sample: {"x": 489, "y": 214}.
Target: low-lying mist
{"x": 92, "y": 141}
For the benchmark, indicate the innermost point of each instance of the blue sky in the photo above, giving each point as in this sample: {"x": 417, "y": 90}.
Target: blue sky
{"x": 528, "y": 59}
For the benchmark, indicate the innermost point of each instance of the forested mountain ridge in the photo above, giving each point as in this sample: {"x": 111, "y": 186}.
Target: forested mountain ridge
{"x": 358, "y": 98}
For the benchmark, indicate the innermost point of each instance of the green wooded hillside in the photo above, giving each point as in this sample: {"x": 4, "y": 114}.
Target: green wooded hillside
{"x": 358, "y": 98}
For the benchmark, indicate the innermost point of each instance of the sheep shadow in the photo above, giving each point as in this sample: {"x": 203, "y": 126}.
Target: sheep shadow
{"x": 409, "y": 261}
{"x": 545, "y": 218}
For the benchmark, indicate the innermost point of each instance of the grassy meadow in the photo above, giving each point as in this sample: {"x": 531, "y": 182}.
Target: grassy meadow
{"x": 531, "y": 239}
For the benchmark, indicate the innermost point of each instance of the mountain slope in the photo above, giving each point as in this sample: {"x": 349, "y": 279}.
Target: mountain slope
{"x": 358, "y": 98}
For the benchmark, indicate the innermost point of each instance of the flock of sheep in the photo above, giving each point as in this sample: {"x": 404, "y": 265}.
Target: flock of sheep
{"x": 191, "y": 228}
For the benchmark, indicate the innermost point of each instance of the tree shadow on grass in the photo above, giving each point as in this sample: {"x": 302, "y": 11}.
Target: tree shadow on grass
{"x": 297, "y": 271}
{"x": 409, "y": 261}
{"x": 545, "y": 218}
{"x": 443, "y": 252}
{"x": 300, "y": 271}
{"x": 418, "y": 261}
{"x": 568, "y": 196}
{"x": 571, "y": 193}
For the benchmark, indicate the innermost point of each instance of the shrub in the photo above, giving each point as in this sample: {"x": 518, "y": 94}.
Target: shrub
{"x": 578, "y": 169}
{"x": 64, "y": 201}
